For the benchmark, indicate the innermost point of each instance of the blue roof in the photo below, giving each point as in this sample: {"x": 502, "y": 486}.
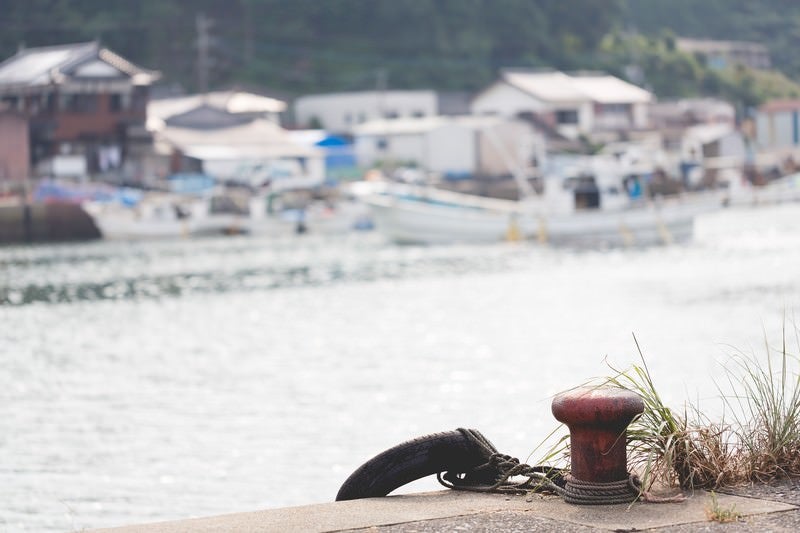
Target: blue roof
{"x": 333, "y": 140}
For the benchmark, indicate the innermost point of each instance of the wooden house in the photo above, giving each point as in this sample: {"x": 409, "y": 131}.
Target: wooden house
{"x": 14, "y": 148}
{"x": 86, "y": 106}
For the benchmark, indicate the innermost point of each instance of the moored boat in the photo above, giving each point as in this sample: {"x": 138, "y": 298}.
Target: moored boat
{"x": 601, "y": 207}
{"x": 163, "y": 215}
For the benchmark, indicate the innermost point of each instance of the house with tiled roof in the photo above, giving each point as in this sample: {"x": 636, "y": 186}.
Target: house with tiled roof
{"x": 572, "y": 104}
{"x": 86, "y": 106}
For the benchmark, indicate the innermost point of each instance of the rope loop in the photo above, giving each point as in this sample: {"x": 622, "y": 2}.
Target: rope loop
{"x": 494, "y": 476}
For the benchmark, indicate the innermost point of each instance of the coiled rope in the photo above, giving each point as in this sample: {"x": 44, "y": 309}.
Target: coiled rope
{"x": 494, "y": 476}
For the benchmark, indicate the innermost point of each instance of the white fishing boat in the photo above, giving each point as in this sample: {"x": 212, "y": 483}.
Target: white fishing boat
{"x": 162, "y": 215}
{"x": 785, "y": 189}
{"x": 594, "y": 205}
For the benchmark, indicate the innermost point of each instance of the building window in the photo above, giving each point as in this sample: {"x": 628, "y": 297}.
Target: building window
{"x": 418, "y": 114}
{"x": 567, "y": 116}
{"x": 80, "y": 103}
{"x": 116, "y": 103}
{"x": 614, "y": 109}
{"x": 382, "y": 143}
{"x": 34, "y": 104}
{"x": 13, "y": 102}
{"x": 391, "y": 114}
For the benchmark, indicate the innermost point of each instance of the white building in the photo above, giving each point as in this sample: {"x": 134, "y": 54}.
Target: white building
{"x": 451, "y": 146}
{"x": 236, "y": 152}
{"x": 778, "y": 124}
{"x": 212, "y": 109}
{"x": 342, "y": 112}
{"x": 574, "y": 104}
{"x": 231, "y": 135}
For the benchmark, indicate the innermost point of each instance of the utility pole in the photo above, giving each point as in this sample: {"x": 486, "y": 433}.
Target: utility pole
{"x": 203, "y": 25}
{"x": 249, "y": 48}
{"x": 381, "y": 82}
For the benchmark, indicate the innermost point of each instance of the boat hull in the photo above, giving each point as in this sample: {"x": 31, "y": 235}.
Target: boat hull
{"x": 129, "y": 223}
{"x": 411, "y": 221}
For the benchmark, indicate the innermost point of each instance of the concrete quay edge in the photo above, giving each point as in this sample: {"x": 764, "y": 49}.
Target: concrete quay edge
{"x": 455, "y": 506}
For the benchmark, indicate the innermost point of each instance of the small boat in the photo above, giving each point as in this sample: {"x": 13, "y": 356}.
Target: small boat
{"x": 592, "y": 206}
{"x": 164, "y": 215}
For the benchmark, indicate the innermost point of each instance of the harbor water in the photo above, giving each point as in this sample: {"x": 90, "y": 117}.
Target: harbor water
{"x": 151, "y": 381}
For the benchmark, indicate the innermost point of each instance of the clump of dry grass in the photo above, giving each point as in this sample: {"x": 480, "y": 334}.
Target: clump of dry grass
{"x": 763, "y": 397}
{"x": 761, "y": 443}
{"x": 666, "y": 447}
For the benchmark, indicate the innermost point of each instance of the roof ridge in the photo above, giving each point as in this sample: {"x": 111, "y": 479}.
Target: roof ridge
{"x": 119, "y": 62}
{"x": 52, "y": 47}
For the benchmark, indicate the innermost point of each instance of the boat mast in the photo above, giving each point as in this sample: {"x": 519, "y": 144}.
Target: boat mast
{"x": 525, "y": 189}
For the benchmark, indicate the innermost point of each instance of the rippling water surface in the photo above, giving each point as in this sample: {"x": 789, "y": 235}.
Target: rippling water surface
{"x": 163, "y": 380}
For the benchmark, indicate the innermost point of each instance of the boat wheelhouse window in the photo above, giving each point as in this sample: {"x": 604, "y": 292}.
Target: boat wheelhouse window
{"x": 585, "y": 191}
{"x": 567, "y": 116}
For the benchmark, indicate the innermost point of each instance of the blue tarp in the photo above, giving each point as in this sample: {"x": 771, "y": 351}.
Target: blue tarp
{"x": 190, "y": 183}
{"x": 52, "y": 191}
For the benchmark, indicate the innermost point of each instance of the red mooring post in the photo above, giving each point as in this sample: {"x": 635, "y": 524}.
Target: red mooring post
{"x": 597, "y": 419}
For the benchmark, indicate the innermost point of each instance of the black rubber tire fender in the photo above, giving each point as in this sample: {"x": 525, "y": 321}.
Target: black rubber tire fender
{"x": 414, "y": 459}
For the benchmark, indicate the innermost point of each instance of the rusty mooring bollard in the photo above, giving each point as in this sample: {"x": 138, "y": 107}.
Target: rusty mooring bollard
{"x": 597, "y": 419}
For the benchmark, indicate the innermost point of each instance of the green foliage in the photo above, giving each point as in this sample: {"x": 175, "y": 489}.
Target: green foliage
{"x": 671, "y": 73}
{"x": 761, "y": 443}
{"x": 306, "y": 46}
{"x": 763, "y": 397}
{"x": 775, "y": 23}
{"x": 313, "y": 46}
{"x": 717, "y": 513}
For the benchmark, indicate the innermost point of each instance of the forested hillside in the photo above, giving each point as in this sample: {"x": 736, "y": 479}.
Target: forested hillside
{"x": 301, "y": 46}
{"x": 775, "y": 23}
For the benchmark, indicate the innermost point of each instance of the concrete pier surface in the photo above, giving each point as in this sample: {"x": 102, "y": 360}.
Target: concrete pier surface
{"x": 761, "y": 508}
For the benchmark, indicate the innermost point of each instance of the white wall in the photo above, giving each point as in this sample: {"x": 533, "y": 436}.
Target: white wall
{"x": 586, "y": 117}
{"x": 776, "y": 130}
{"x": 451, "y": 149}
{"x": 641, "y": 116}
{"x": 782, "y": 127}
{"x": 399, "y": 148}
{"x": 456, "y": 147}
{"x": 764, "y": 133}
{"x": 732, "y": 145}
{"x": 340, "y": 112}
{"x": 518, "y": 144}
{"x": 505, "y": 100}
